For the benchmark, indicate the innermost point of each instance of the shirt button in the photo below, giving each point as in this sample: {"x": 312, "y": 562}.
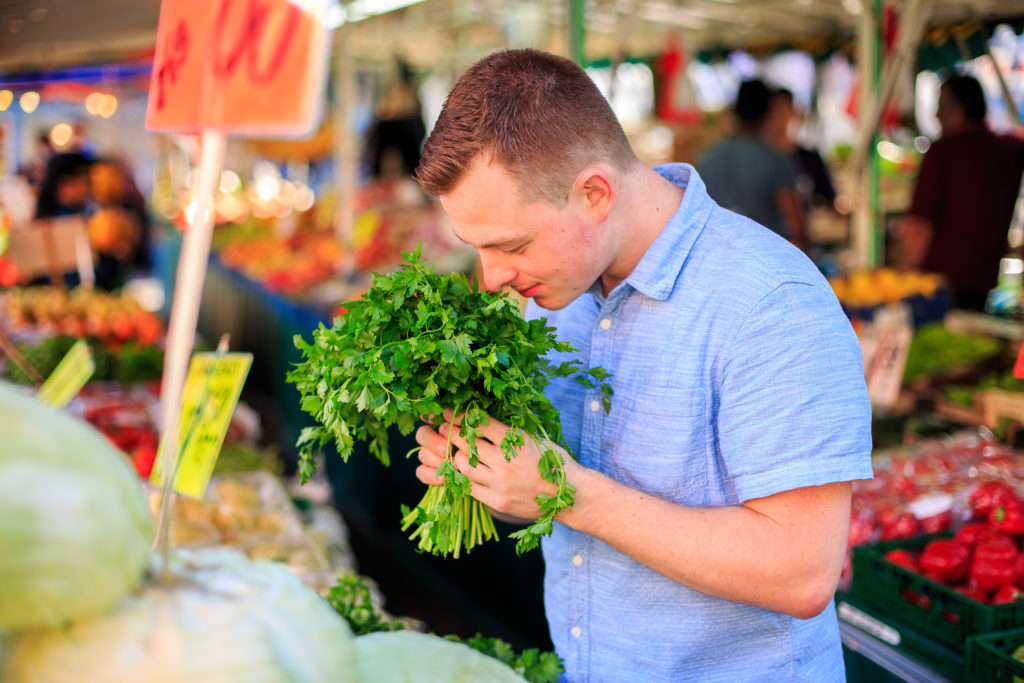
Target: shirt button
{"x": 576, "y": 632}
{"x": 606, "y": 323}
{"x": 595, "y": 406}
{"x": 577, "y": 560}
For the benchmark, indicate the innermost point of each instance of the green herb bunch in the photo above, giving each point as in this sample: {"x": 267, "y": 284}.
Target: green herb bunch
{"x": 415, "y": 345}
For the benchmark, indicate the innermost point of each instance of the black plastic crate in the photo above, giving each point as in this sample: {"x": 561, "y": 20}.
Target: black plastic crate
{"x": 930, "y": 608}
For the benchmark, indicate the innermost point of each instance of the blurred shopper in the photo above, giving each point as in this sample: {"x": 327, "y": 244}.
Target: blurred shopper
{"x": 747, "y": 176}
{"x": 34, "y": 170}
{"x": 65, "y": 189}
{"x": 119, "y": 227}
{"x": 964, "y": 198}
{"x": 394, "y": 141}
{"x": 814, "y": 185}
{"x": 712, "y": 502}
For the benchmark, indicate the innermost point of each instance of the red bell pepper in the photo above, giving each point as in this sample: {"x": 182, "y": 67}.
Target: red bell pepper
{"x": 937, "y": 524}
{"x": 1006, "y": 594}
{"x": 970, "y": 534}
{"x": 903, "y": 558}
{"x": 1000, "y": 551}
{"x": 903, "y": 525}
{"x": 991, "y": 574}
{"x": 972, "y": 592}
{"x": 1008, "y": 517}
{"x": 988, "y": 495}
{"x": 945, "y": 560}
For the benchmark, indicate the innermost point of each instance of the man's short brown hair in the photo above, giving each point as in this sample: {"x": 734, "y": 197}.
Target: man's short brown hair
{"x": 537, "y": 114}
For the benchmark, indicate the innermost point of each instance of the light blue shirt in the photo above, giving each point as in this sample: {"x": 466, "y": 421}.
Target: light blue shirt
{"x": 736, "y": 376}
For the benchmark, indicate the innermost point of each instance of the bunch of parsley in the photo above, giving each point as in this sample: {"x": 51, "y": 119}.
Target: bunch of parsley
{"x": 415, "y": 345}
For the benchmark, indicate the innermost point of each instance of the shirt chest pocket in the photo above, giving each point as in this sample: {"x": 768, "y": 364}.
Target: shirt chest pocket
{"x": 657, "y": 443}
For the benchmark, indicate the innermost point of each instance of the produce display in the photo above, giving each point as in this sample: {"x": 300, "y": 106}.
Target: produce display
{"x": 934, "y": 487}
{"x": 982, "y": 561}
{"x": 253, "y": 514}
{"x": 868, "y": 288}
{"x": 113, "y": 319}
{"x": 74, "y": 526}
{"x": 287, "y": 265}
{"x": 935, "y": 351}
{"x": 214, "y": 616}
{"x": 418, "y": 344}
{"x": 966, "y": 394}
{"x": 125, "y": 415}
{"x": 129, "y": 362}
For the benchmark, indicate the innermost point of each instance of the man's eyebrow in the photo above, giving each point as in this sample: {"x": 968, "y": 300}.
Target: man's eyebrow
{"x": 498, "y": 243}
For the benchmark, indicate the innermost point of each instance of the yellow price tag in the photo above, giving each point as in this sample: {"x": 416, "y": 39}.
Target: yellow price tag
{"x": 211, "y": 392}
{"x": 70, "y": 375}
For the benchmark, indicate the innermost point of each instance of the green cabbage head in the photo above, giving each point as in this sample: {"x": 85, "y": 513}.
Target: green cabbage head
{"x": 75, "y": 529}
{"x": 220, "y": 618}
{"x": 411, "y": 657}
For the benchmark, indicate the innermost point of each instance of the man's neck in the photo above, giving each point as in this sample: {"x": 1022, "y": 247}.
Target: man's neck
{"x": 647, "y": 202}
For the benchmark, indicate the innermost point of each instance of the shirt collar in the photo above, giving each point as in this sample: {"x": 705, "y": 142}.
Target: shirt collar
{"x": 656, "y": 274}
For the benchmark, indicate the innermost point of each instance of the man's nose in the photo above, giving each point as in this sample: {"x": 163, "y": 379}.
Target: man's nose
{"x": 497, "y": 273}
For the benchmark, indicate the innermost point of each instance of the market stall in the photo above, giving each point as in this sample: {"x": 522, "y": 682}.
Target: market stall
{"x": 297, "y": 227}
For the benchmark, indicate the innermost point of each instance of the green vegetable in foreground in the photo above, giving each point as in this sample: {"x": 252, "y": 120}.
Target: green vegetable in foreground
{"x": 417, "y": 344}
{"x": 351, "y": 598}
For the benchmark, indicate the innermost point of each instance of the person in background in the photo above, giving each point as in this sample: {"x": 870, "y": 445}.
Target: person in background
{"x": 964, "y": 197}
{"x": 65, "y": 189}
{"x": 813, "y": 180}
{"x": 745, "y": 175}
{"x": 34, "y": 170}
{"x": 394, "y": 141}
{"x": 119, "y": 226}
{"x": 713, "y": 501}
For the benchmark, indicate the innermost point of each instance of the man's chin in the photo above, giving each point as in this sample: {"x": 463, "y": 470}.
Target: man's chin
{"x": 549, "y": 303}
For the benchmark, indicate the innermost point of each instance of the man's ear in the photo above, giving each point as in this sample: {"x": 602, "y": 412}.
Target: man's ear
{"x": 596, "y": 192}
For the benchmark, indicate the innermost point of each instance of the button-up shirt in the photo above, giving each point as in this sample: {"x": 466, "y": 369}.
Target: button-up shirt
{"x": 736, "y": 376}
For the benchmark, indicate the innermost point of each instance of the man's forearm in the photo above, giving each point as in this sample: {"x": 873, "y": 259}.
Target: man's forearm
{"x": 782, "y": 553}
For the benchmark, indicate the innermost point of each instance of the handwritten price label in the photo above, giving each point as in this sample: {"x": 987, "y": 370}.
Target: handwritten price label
{"x": 250, "y": 67}
{"x": 211, "y": 393}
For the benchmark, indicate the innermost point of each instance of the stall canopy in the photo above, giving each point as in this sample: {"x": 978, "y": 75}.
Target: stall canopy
{"x": 40, "y": 34}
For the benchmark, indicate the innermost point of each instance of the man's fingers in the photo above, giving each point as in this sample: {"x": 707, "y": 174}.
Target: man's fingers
{"x": 494, "y": 431}
{"x": 481, "y": 474}
{"x": 428, "y": 475}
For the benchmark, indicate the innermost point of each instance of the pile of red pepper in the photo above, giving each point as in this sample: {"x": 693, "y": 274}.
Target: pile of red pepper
{"x": 884, "y": 508}
{"x": 983, "y": 560}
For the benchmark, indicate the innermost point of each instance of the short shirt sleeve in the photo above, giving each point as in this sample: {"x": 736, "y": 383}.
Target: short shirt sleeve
{"x": 794, "y": 409}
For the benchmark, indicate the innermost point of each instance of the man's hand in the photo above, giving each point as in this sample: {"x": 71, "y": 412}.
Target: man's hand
{"x": 509, "y": 488}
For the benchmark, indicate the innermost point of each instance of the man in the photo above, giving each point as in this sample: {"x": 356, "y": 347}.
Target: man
{"x": 713, "y": 501}
{"x": 964, "y": 197}
{"x": 814, "y": 185}
{"x": 745, "y": 175}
